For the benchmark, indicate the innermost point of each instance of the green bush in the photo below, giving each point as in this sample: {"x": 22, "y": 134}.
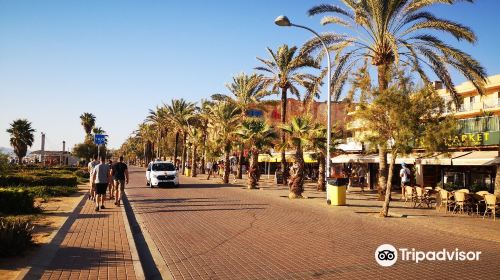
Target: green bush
{"x": 16, "y": 235}
{"x": 38, "y": 179}
{"x": 52, "y": 191}
{"x": 82, "y": 173}
{"x": 17, "y": 201}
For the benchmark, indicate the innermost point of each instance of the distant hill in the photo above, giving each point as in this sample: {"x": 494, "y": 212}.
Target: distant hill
{"x": 5, "y": 150}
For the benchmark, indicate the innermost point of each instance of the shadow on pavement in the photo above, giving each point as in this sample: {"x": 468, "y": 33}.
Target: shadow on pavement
{"x": 203, "y": 210}
{"x": 79, "y": 258}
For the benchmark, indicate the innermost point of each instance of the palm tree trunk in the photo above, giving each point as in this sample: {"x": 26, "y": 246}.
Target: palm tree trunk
{"x": 253, "y": 172}
{"x": 184, "y": 151}
{"x": 239, "y": 174}
{"x": 385, "y": 207}
{"x": 497, "y": 177}
{"x": 383, "y": 83}
{"x": 176, "y": 150}
{"x": 382, "y": 171}
{"x": 193, "y": 162}
{"x": 297, "y": 175}
{"x": 204, "y": 151}
{"x": 227, "y": 166}
{"x": 283, "y": 134}
{"x": 321, "y": 185}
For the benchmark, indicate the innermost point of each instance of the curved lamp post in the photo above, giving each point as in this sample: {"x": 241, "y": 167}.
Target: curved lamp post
{"x": 284, "y": 21}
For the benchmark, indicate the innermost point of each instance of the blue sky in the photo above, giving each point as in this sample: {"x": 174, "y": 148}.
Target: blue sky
{"x": 117, "y": 59}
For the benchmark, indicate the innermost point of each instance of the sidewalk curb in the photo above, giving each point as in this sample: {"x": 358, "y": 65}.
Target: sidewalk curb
{"x": 47, "y": 252}
{"x": 139, "y": 271}
{"x": 158, "y": 259}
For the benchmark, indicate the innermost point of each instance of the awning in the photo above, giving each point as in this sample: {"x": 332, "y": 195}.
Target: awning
{"x": 276, "y": 157}
{"x": 355, "y": 158}
{"x": 478, "y": 158}
{"x": 441, "y": 159}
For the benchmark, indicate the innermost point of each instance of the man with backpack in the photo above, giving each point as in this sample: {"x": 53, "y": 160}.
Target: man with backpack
{"x": 405, "y": 175}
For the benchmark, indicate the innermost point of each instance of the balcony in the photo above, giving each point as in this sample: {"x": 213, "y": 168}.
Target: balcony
{"x": 480, "y": 124}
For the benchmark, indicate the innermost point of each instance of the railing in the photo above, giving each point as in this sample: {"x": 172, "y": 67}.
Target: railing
{"x": 480, "y": 124}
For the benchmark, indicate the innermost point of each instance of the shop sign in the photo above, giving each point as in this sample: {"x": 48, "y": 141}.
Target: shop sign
{"x": 474, "y": 139}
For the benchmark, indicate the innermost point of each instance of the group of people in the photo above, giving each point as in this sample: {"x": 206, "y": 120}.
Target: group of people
{"x": 107, "y": 176}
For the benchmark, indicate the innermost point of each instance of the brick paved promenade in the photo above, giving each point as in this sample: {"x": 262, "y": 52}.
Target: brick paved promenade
{"x": 209, "y": 231}
{"x": 94, "y": 247}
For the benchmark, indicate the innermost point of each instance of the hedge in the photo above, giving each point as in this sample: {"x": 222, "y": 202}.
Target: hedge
{"x": 17, "y": 201}
{"x": 28, "y": 179}
{"x": 16, "y": 235}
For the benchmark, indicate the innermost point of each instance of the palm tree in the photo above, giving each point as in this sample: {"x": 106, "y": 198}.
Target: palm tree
{"x": 21, "y": 137}
{"x": 299, "y": 131}
{"x": 257, "y": 134}
{"x": 179, "y": 112}
{"x": 204, "y": 116}
{"x": 224, "y": 119}
{"x": 284, "y": 73}
{"x": 394, "y": 32}
{"x": 146, "y": 133}
{"x": 248, "y": 90}
{"x": 88, "y": 122}
{"x": 195, "y": 140}
{"x": 159, "y": 118}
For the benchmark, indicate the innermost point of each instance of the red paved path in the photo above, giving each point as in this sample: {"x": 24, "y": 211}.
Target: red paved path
{"x": 95, "y": 247}
{"x": 208, "y": 231}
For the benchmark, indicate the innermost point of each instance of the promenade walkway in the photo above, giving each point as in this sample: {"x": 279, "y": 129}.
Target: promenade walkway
{"x": 90, "y": 245}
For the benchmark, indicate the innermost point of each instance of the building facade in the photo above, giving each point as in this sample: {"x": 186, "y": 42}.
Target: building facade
{"x": 473, "y": 151}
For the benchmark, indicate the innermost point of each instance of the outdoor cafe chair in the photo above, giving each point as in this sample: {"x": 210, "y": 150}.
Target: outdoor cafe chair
{"x": 422, "y": 197}
{"x": 446, "y": 200}
{"x": 463, "y": 190}
{"x": 479, "y": 197}
{"x": 491, "y": 205}
{"x": 410, "y": 195}
{"x": 460, "y": 202}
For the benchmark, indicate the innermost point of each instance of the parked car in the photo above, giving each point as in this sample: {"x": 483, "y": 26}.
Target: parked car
{"x": 161, "y": 173}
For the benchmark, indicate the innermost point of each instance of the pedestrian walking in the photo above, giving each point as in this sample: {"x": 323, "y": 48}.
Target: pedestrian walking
{"x": 120, "y": 178}
{"x": 404, "y": 174}
{"x": 91, "y": 167}
{"x": 111, "y": 186}
{"x": 101, "y": 177}
{"x": 209, "y": 169}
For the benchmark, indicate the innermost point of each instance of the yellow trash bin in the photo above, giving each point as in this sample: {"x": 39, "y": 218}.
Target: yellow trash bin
{"x": 336, "y": 192}
{"x": 187, "y": 172}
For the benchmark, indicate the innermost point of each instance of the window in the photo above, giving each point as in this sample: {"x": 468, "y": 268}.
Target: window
{"x": 472, "y": 99}
{"x": 255, "y": 113}
{"x": 163, "y": 167}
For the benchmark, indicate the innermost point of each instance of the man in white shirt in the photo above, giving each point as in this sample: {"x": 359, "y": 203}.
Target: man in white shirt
{"x": 91, "y": 167}
{"x": 404, "y": 174}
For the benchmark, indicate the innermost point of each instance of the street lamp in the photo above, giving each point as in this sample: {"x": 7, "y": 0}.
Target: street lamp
{"x": 284, "y": 21}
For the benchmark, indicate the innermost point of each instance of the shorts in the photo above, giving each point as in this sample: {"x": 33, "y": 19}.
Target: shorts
{"x": 120, "y": 183}
{"x": 101, "y": 188}
{"x": 406, "y": 183}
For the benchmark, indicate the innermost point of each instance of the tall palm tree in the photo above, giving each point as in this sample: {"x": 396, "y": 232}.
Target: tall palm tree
{"x": 195, "y": 133}
{"x": 159, "y": 117}
{"x": 147, "y": 134}
{"x": 180, "y": 111}
{"x": 396, "y": 32}
{"x": 299, "y": 131}
{"x": 257, "y": 135}
{"x": 204, "y": 116}
{"x": 88, "y": 122}
{"x": 248, "y": 90}
{"x": 224, "y": 119}
{"x": 21, "y": 137}
{"x": 284, "y": 72}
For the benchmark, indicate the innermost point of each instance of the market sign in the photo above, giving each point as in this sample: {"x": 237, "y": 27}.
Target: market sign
{"x": 474, "y": 139}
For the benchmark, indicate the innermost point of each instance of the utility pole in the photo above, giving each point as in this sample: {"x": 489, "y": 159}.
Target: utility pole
{"x": 62, "y": 160}
{"x": 42, "y": 151}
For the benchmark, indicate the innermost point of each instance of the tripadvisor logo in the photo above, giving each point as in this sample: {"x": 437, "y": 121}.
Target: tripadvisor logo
{"x": 387, "y": 255}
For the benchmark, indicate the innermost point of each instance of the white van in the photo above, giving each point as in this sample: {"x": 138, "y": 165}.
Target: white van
{"x": 161, "y": 173}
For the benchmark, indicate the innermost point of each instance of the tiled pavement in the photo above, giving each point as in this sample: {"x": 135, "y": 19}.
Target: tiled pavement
{"x": 209, "y": 231}
{"x": 94, "y": 247}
